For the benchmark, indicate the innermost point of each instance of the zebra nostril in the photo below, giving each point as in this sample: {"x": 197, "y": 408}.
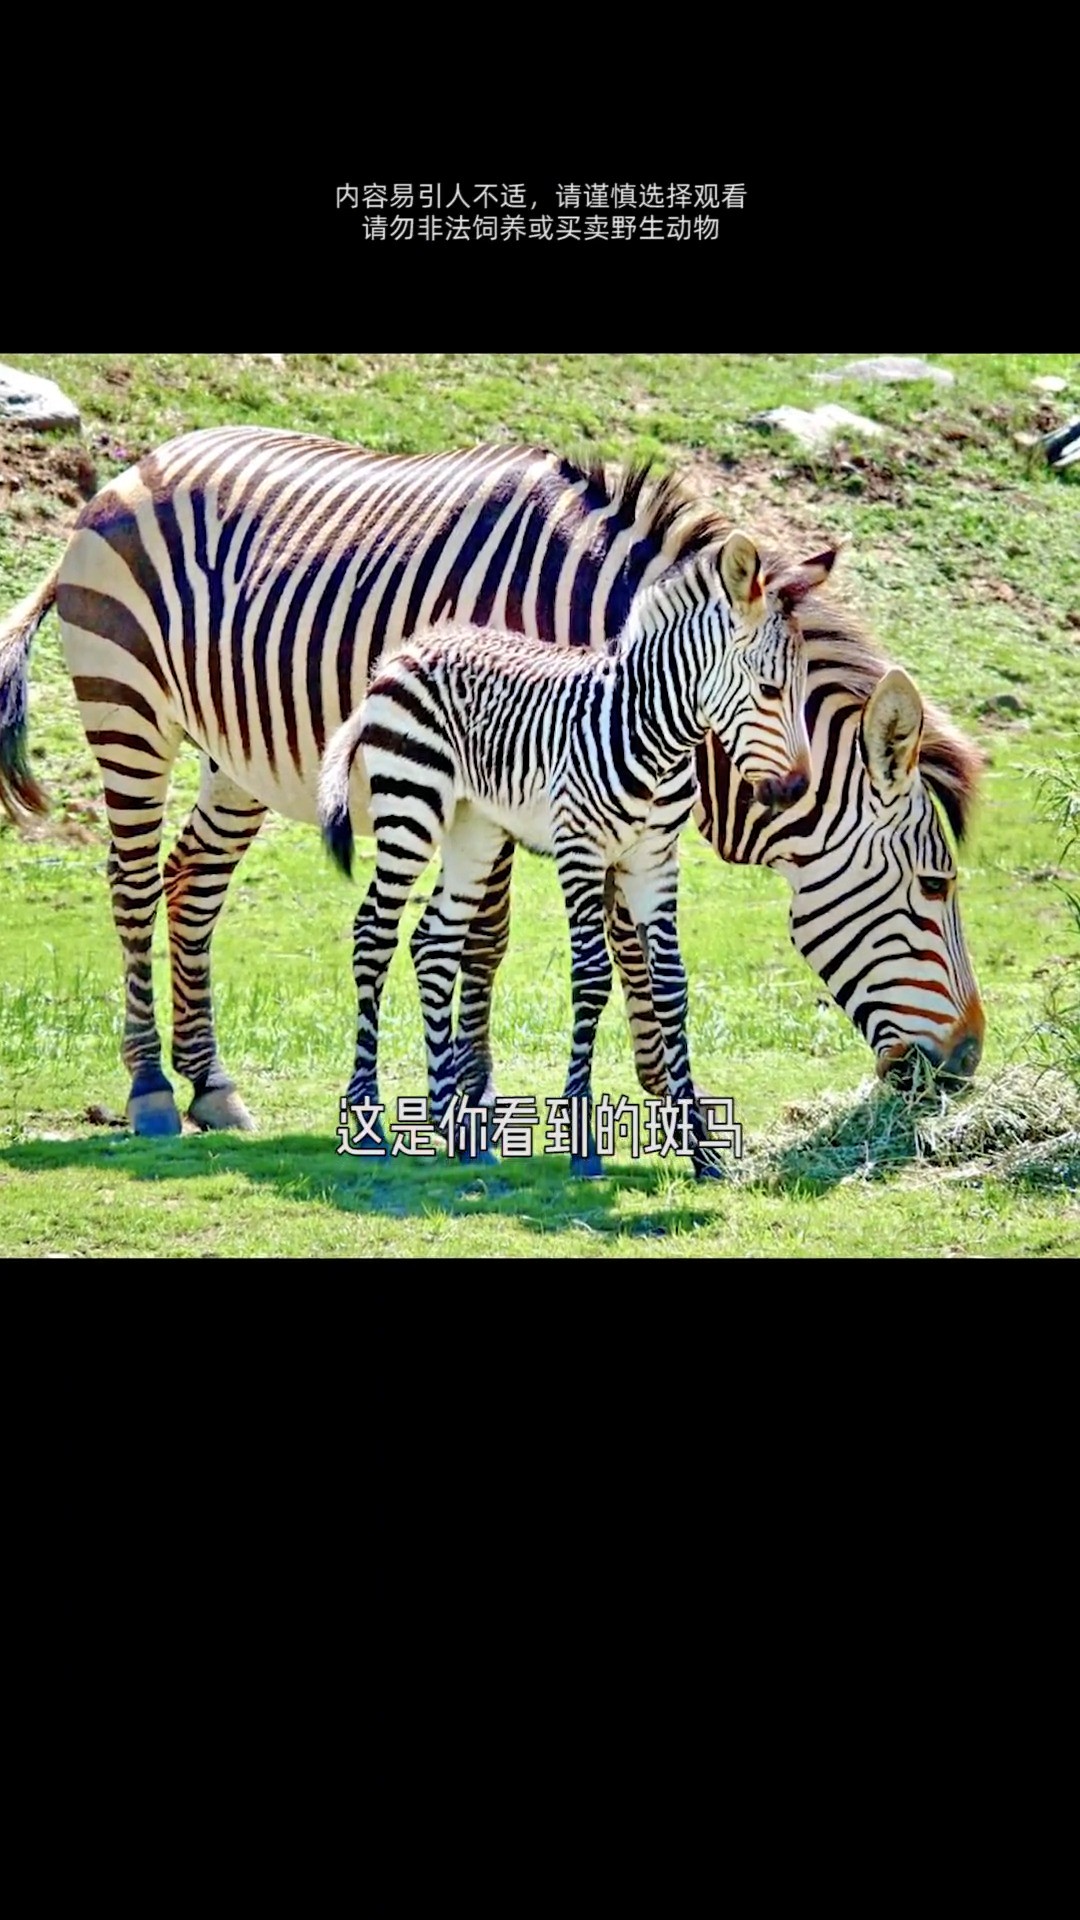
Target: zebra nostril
{"x": 783, "y": 792}
{"x": 963, "y": 1059}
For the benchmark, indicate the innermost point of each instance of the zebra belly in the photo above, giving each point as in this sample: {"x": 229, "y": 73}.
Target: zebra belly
{"x": 529, "y": 824}
{"x": 532, "y": 824}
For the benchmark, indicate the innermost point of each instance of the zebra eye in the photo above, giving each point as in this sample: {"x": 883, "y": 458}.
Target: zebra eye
{"x": 769, "y": 691}
{"x": 934, "y": 885}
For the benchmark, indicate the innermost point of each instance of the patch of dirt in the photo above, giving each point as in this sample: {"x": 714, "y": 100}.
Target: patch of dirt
{"x": 61, "y": 827}
{"x": 1047, "y": 418}
{"x": 43, "y": 481}
{"x": 740, "y": 490}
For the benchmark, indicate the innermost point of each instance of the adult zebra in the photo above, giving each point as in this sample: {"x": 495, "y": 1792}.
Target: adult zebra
{"x": 872, "y": 874}
{"x": 238, "y": 587}
{"x": 476, "y": 733}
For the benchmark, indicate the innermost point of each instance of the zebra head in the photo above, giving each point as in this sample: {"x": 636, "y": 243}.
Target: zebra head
{"x": 753, "y": 694}
{"x": 874, "y": 908}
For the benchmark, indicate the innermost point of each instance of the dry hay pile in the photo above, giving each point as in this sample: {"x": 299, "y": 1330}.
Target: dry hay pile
{"x": 1020, "y": 1124}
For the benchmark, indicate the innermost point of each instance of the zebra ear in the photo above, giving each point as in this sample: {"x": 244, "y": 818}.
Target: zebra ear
{"x": 891, "y": 731}
{"x": 740, "y": 571}
{"x": 797, "y": 582}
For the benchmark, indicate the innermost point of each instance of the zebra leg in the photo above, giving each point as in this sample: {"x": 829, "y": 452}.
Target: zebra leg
{"x": 629, "y": 955}
{"x": 216, "y": 835}
{"x": 135, "y": 805}
{"x": 649, "y": 882}
{"x": 581, "y": 876}
{"x": 485, "y": 948}
{"x": 470, "y": 851}
{"x": 375, "y": 938}
{"x": 632, "y": 964}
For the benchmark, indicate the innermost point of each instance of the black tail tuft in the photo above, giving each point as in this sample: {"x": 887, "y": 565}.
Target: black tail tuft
{"x": 337, "y": 836}
{"x": 335, "y": 773}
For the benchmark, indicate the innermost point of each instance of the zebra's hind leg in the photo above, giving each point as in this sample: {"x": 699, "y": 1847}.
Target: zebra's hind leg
{"x": 216, "y": 835}
{"x": 649, "y": 883}
{"x": 630, "y": 956}
{"x": 581, "y": 876}
{"x": 485, "y": 948}
{"x": 136, "y": 770}
{"x": 470, "y": 851}
{"x": 375, "y": 938}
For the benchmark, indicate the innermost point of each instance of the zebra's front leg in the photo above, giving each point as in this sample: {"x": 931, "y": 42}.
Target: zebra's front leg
{"x": 649, "y": 884}
{"x": 217, "y": 833}
{"x": 470, "y": 851}
{"x": 485, "y": 948}
{"x": 581, "y": 876}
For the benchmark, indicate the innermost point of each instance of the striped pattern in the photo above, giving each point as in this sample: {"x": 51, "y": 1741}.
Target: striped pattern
{"x": 238, "y": 588}
{"x": 478, "y": 735}
{"x": 866, "y": 853}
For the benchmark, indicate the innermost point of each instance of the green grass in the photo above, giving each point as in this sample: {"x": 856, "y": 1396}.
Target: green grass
{"x": 965, "y": 561}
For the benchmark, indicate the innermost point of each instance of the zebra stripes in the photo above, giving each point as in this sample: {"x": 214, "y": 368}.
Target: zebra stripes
{"x": 478, "y": 734}
{"x": 874, "y": 879}
{"x": 239, "y": 587}
{"x": 873, "y": 875}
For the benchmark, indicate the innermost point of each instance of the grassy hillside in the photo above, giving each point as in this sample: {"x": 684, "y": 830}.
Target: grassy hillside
{"x": 964, "y": 560}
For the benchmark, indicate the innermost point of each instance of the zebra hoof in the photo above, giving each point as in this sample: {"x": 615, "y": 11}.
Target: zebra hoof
{"x": 586, "y": 1166}
{"x": 219, "y": 1108}
{"x": 153, "y": 1115}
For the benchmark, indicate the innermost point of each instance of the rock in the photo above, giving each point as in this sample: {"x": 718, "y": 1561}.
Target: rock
{"x": 26, "y": 400}
{"x": 815, "y": 430}
{"x": 1049, "y": 383}
{"x": 888, "y": 366}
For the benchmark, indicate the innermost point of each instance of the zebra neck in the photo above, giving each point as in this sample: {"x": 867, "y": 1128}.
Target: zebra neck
{"x": 748, "y": 835}
{"x": 657, "y": 686}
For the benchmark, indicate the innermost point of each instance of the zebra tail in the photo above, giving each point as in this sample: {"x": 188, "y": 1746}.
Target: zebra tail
{"x": 20, "y": 794}
{"x": 335, "y": 773}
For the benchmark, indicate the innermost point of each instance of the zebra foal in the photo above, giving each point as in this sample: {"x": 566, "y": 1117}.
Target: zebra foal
{"x": 478, "y": 734}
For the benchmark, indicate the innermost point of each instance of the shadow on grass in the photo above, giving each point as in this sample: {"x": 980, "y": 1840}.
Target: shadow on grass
{"x": 540, "y": 1192}
{"x": 871, "y": 1139}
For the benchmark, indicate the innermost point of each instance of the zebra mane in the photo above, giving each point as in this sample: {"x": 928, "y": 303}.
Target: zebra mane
{"x": 669, "y": 510}
{"x": 671, "y": 513}
{"x": 951, "y": 765}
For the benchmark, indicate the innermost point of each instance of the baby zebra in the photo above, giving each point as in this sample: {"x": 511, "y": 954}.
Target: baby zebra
{"x": 477, "y": 734}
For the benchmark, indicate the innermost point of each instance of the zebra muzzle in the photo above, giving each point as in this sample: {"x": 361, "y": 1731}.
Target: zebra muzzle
{"x": 782, "y": 790}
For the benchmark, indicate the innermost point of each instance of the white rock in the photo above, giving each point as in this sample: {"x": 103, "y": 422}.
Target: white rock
{"x": 29, "y": 401}
{"x": 888, "y": 366}
{"x": 817, "y": 429}
{"x": 1049, "y": 383}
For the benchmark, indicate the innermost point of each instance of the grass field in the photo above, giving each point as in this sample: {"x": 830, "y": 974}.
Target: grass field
{"x": 964, "y": 560}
